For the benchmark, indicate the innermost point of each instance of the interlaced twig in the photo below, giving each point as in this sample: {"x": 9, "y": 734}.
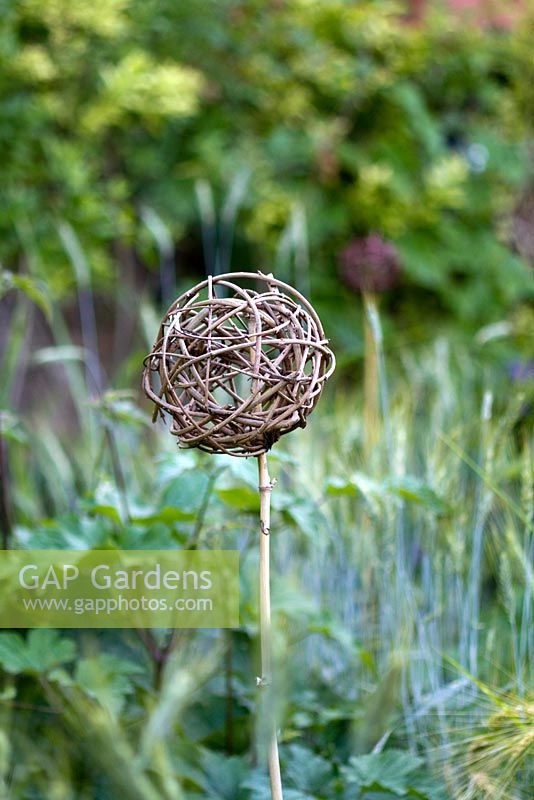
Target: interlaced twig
{"x": 234, "y": 387}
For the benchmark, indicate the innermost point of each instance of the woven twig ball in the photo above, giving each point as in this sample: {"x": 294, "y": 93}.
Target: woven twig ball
{"x": 235, "y": 368}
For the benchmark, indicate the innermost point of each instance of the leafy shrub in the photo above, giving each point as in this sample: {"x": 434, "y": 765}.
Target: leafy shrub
{"x": 345, "y": 120}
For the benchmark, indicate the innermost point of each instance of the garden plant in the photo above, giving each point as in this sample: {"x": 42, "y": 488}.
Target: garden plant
{"x": 378, "y": 159}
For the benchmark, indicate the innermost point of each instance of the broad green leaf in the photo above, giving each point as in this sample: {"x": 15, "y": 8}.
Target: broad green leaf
{"x": 107, "y": 511}
{"x": 168, "y": 515}
{"x": 307, "y": 771}
{"x": 48, "y": 648}
{"x": 187, "y": 493}
{"x": 108, "y": 502}
{"x": 357, "y": 484}
{"x": 170, "y": 467}
{"x": 13, "y": 653}
{"x": 241, "y": 497}
{"x": 223, "y": 776}
{"x": 42, "y": 650}
{"x": 238, "y": 485}
{"x": 240, "y": 471}
{"x": 416, "y": 491}
{"x": 341, "y": 486}
{"x": 260, "y": 789}
{"x": 391, "y": 770}
{"x": 70, "y": 532}
{"x": 160, "y": 535}
{"x": 305, "y": 514}
{"x": 108, "y": 679}
{"x": 334, "y": 630}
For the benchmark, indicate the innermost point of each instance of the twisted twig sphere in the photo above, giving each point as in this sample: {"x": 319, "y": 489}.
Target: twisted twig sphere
{"x": 236, "y": 368}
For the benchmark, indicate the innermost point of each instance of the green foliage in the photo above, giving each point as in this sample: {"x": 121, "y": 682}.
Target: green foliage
{"x": 307, "y": 772}
{"x": 407, "y": 487}
{"x": 346, "y": 120}
{"x": 290, "y": 127}
{"x": 389, "y": 548}
{"x": 107, "y": 678}
{"x": 388, "y": 774}
{"x": 33, "y": 290}
{"x": 42, "y": 651}
{"x": 395, "y": 773}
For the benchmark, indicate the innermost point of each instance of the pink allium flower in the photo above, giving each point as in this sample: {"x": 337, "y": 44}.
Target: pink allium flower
{"x": 370, "y": 264}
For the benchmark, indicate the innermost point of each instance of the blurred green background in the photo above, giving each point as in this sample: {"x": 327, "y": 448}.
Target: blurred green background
{"x": 379, "y": 157}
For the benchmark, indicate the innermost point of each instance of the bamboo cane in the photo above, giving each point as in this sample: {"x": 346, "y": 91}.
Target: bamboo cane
{"x": 265, "y": 487}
